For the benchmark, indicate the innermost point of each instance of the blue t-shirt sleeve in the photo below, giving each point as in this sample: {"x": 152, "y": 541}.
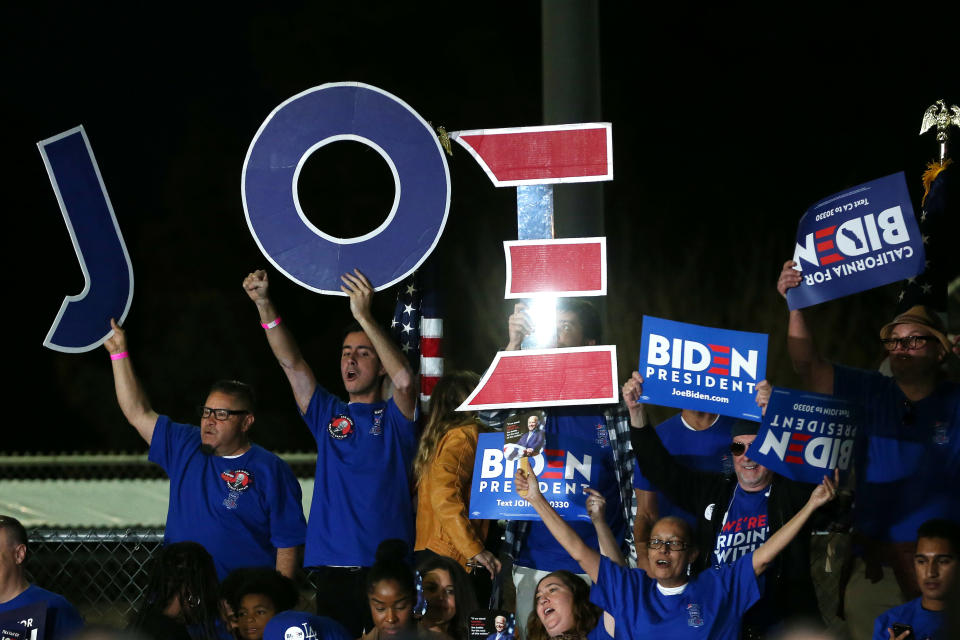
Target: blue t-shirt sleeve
{"x": 880, "y": 626}
{"x": 288, "y": 527}
{"x": 406, "y": 431}
{"x": 321, "y": 408}
{"x": 171, "y": 442}
{"x": 616, "y": 588}
{"x": 640, "y": 481}
{"x": 741, "y": 583}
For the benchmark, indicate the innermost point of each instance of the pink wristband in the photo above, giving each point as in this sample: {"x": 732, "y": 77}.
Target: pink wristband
{"x": 119, "y": 356}
{"x": 271, "y": 324}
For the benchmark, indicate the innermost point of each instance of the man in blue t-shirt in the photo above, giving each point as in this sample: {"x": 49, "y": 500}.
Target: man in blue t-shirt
{"x": 696, "y": 439}
{"x": 238, "y": 500}
{"x": 61, "y": 620}
{"x": 936, "y": 564}
{"x": 907, "y": 453}
{"x": 361, "y": 492}
{"x": 600, "y": 431}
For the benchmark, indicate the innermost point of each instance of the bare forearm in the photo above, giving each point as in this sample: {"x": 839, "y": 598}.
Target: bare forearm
{"x": 287, "y": 353}
{"x": 395, "y": 364}
{"x": 587, "y": 558}
{"x": 133, "y": 399}
{"x": 609, "y": 546}
{"x": 816, "y": 372}
{"x": 287, "y": 560}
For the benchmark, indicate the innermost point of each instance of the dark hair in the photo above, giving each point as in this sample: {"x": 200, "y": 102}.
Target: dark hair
{"x": 182, "y": 570}
{"x": 281, "y": 590}
{"x": 391, "y": 564}
{"x": 239, "y": 390}
{"x": 18, "y": 534}
{"x": 586, "y": 615}
{"x": 464, "y": 597}
{"x": 449, "y": 393}
{"x": 588, "y": 315}
{"x": 941, "y": 528}
{"x": 353, "y": 327}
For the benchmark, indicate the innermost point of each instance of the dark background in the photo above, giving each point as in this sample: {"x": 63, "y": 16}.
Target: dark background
{"x": 727, "y": 125}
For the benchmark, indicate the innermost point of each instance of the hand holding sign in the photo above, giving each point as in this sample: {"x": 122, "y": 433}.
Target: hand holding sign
{"x": 789, "y": 278}
{"x": 764, "y": 389}
{"x": 360, "y": 291}
{"x": 631, "y": 391}
{"x": 526, "y": 485}
{"x": 825, "y": 491}
{"x": 519, "y": 326}
{"x": 116, "y": 343}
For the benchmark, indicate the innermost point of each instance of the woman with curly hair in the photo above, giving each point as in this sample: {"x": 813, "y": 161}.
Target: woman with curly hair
{"x": 443, "y": 469}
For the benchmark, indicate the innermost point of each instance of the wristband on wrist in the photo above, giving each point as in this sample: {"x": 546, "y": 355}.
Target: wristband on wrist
{"x": 119, "y": 356}
{"x": 271, "y": 324}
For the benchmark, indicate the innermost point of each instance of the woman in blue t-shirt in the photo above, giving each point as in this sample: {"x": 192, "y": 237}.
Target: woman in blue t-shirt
{"x": 666, "y": 601}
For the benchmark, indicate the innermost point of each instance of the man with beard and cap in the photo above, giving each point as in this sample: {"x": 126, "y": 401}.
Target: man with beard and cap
{"x": 736, "y": 513}
{"x": 907, "y": 454}
{"x": 240, "y": 501}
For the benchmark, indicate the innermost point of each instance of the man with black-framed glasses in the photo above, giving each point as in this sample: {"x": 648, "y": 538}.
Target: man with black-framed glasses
{"x": 907, "y": 454}
{"x": 240, "y": 501}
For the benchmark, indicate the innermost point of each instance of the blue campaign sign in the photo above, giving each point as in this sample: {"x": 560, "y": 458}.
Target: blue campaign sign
{"x": 805, "y": 436}
{"x": 564, "y": 469}
{"x": 700, "y": 368}
{"x": 83, "y": 322}
{"x": 364, "y": 114}
{"x": 857, "y": 240}
{"x": 24, "y": 623}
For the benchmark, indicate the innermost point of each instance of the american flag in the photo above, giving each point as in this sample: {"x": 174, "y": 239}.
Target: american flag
{"x": 418, "y": 329}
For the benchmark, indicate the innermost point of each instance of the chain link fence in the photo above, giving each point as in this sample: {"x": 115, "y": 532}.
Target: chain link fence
{"x": 103, "y": 572}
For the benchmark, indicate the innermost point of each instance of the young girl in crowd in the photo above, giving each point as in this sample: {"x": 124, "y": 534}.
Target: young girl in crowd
{"x": 392, "y": 593}
{"x": 443, "y": 469}
{"x": 450, "y": 597}
{"x": 255, "y": 596}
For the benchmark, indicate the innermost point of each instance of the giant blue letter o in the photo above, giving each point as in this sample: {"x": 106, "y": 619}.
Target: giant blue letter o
{"x": 312, "y": 119}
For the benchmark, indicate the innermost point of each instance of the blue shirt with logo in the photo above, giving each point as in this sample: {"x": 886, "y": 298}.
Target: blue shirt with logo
{"x": 582, "y": 431}
{"x": 361, "y": 491}
{"x": 907, "y": 455}
{"x": 705, "y": 450}
{"x": 241, "y": 508}
{"x": 710, "y": 606}
{"x": 62, "y": 619}
{"x": 927, "y": 625}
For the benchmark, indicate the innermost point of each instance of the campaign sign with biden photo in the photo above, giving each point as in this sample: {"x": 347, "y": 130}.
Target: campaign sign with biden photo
{"x": 701, "y": 368}
{"x": 857, "y": 240}
{"x": 805, "y": 436}
{"x": 565, "y": 467}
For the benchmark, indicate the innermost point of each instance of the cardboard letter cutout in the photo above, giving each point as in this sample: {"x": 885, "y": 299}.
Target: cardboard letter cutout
{"x": 83, "y": 322}
{"x": 317, "y": 117}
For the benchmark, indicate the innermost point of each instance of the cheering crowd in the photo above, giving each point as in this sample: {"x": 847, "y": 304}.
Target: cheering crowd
{"x": 688, "y": 536}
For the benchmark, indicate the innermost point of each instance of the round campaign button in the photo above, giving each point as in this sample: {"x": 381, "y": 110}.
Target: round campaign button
{"x": 340, "y": 427}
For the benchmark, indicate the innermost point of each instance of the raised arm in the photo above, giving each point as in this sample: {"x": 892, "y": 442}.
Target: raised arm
{"x": 768, "y": 551}
{"x": 817, "y": 373}
{"x": 596, "y": 508}
{"x": 130, "y": 394}
{"x": 648, "y": 512}
{"x": 587, "y": 558}
{"x": 284, "y": 347}
{"x": 394, "y": 362}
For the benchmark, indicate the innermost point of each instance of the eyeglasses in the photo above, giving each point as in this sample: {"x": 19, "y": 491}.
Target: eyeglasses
{"x": 907, "y": 343}
{"x": 738, "y": 448}
{"x": 671, "y": 545}
{"x": 220, "y": 414}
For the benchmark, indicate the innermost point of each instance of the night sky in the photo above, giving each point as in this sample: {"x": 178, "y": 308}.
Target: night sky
{"x": 726, "y": 125}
